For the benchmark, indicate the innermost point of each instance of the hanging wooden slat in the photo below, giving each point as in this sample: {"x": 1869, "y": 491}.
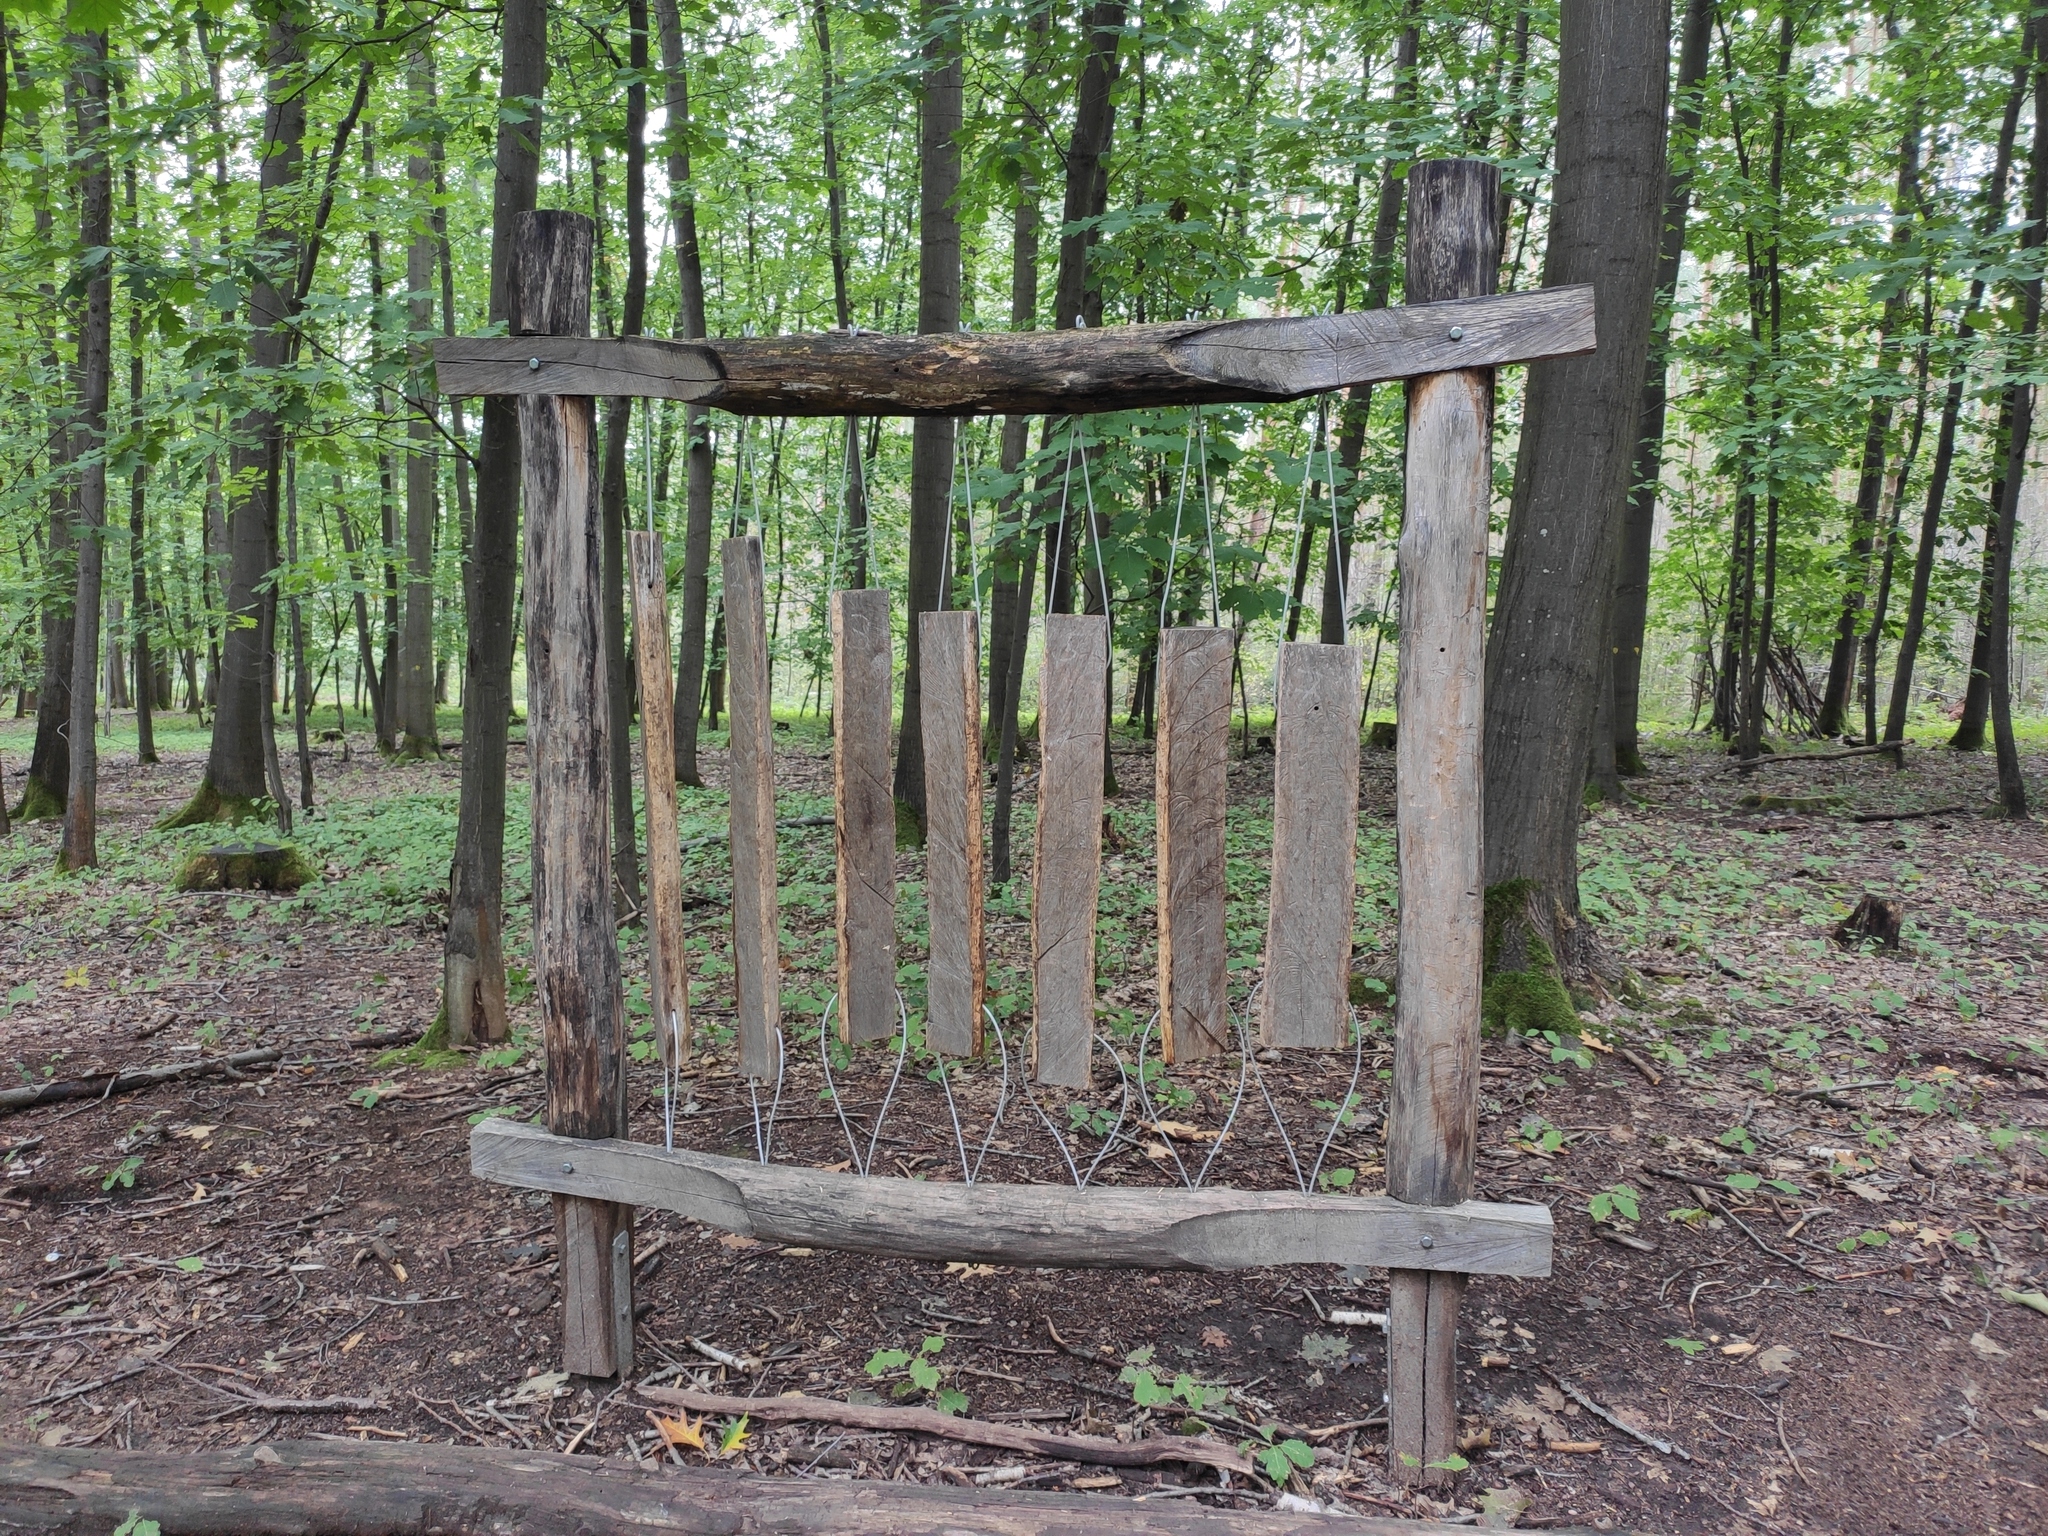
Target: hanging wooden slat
{"x": 1067, "y": 847}
{"x": 950, "y": 718}
{"x": 864, "y": 814}
{"x": 1071, "y": 372}
{"x": 667, "y": 959}
{"x": 1192, "y": 779}
{"x": 1305, "y": 1000}
{"x": 750, "y": 788}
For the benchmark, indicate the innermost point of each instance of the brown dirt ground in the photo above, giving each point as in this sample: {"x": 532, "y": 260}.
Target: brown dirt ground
{"x": 293, "y": 1236}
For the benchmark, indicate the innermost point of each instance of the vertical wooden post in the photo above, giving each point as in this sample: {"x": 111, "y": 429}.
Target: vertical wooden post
{"x": 575, "y": 947}
{"x": 667, "y": 960}
{"x": 864, "y": 814}
{"x": 950, "y": 716}
{"x": 1453, "y": 252}
{"x": 750, "y": 795}
{"x": 1192, "y": 763}
{"x": 1073, "y": 725}
{"x": 1315, "y": 847}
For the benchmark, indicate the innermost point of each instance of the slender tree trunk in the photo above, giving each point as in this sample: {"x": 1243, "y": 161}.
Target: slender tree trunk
{"x": 473, "y": 975}
{"x": 416, "y": 731}
{"x": 235, "y": 771}
{"x": 1639, "y": 522}
{"x": 86, "y": 87}
{"x": 853, "y": 469}
{"x": 938, "y": 310}
{"x": 1007, "y": 596}
{"x": 1543, "y": 661}
{"x": 302, "y": 701}
{"x": 145, "y": 614}
{"x": 697, "y": 427}
{"x": 612, "y": 500}
{"x": 1901, "y": 479}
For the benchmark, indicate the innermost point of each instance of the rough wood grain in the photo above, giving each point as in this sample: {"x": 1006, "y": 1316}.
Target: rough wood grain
{"x": 1192, "y": 768}
{"x": 1031, "y": 1224}
{"x": 1115, "y": 368}
{"x": 750, "y": 790}
{"x": 343, "y": 1488}
{"x": 1305, "y": 1000}
{"x": 667, "y": 958}
{"x": 950, "y": 705}
{"x": 575, "y": 944}
{"x": 1432, "y": 1116}
{"x": 1067, "y": 846}
{"x": 1097, "y": 1450}
{"x": 864, "y": 814}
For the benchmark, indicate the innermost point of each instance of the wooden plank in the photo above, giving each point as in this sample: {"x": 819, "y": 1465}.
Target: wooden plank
{"x": 1114, "y": 368}
{"x": 351, "y": 1488}
{"x": 950, "y": 709}
{"x": 1067, "y": 847}
{"x": 1407, "y": 1343}
{"x": 575, "y": 945}
{"x": 1432, "y": 1116}
{"x": 1192, "y": 784}
{"x": 667, "y": 958}
{"x": 750, "y": 791}
{"x": 1045, "y": 1225}
{"x": 1305, "y": 1000}
{"x": 864, "y": 814}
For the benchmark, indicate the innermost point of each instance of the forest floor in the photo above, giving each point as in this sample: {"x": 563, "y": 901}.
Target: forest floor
{"x": 1819, "y": 1281}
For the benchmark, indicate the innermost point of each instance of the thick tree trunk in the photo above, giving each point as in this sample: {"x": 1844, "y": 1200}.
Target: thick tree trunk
{"x": 473, "y": 975}
{"x": 938, "y": 311}
{"x": 618, "y": 434}
{"x": 1639, "y": 521}
{"x": 697, "y": 442}
{"x": 1579, "y": 433}
{"x": 235, "y": 767}
{"x": 94, "y": 276}
{"x": 417, "y": 735}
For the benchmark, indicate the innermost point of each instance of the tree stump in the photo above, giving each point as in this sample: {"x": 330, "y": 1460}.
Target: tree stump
{"x": 244, "y": 867}
{"x": 1875, "y": 917}
{"x": 1382, "y": 735}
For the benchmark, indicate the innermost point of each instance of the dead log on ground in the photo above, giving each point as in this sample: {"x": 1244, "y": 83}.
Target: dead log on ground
{"x": 104, "y": 1085}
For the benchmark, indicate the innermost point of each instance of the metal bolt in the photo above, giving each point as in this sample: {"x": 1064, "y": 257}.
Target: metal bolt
{"x": 533, "y": 363}
{"x": 1457, "y": 333}
{"x": 571, "y": 1168}
{"x": 1427, "y": 1242}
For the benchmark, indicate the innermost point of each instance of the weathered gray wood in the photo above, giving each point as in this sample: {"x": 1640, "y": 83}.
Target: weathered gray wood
{"x": 1407, "y": 1371}
{"x": 1432, "y": 1117}
{"x": 575, "y": 944}
{"x": 750, "y": 791}
{"x": 864, "y": 814}
{"x": 1305, "y": 999}
{"x": 1192, "y": 780}
{"x": 667, "y": 958}
{"x": 348, "y": 1488}
{"x": 1066, "y": 866}
{"x": 950, "y": 705}
{"x": 1116, "y": 368}
{"x": 1051, "y": 1225}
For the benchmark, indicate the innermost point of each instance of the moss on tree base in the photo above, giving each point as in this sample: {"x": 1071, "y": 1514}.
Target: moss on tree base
{"x": 244, "y": 867}
{"x": 1524, "y": 989}
{"x": 39, "y": 803}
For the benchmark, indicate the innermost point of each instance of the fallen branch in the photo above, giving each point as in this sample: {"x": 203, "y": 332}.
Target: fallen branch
{"x": 1662, "y": 1447}
{"x": 263, "y": 1402}
{"x": 409, "y": 1490}
{"x": 1822, "y": 1093}
{"x": 1639, "y": 1064}
{"x": 106, "y": 1084}
{"x": 1939, "y": 810}
{"x": 1770, "y": 758}
{"x": 690, "y": 843}
{"x": 1197, "y": 1450}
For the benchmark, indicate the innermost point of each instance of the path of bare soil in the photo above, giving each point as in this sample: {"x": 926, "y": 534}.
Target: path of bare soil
{"x": 1823, "y": 1170}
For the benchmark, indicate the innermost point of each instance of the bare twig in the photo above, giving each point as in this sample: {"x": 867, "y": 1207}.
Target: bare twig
{"x": 1662, "y": 1447}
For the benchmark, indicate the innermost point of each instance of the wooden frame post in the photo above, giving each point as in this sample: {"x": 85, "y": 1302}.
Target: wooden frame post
{"x": 750, "y": 800}
{"x": 950, "y": 719}
{"x": 1191, "y": 788}
{"x": 668, "y": 960}
{"x": 863, "y": 814}
{"x": 1432, "y": 1122}
{"x": 1066, "y": 861}
{"x": 575, "y": 944}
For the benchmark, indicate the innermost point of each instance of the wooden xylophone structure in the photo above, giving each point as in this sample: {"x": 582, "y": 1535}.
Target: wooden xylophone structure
{"x": 1427, "y": 1230}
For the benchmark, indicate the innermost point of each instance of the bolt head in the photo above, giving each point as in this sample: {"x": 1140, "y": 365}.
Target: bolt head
{"x": 1427, "y": 1242}
{"x": 1457, "y": 333}
{"x": 533, "y": 363}
{"x": 571, "y": 1168}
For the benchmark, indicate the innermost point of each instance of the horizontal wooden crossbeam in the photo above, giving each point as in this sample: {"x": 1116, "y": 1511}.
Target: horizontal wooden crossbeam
{"x": 1117, "y": 368}
{"x": 1041, "y": 1225}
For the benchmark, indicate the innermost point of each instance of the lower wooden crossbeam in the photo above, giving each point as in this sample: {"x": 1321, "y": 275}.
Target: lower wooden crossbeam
{"x": 1042, "y": 1225}
{"x": 341, "y": 1488}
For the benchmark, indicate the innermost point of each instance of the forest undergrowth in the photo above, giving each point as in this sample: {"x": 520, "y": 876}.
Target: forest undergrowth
{"x": 1800, "y": 1265}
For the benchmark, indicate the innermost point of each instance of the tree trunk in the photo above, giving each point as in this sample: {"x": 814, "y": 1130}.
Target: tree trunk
{"x": 1639, "y": 521}
{"x": 697, "y": 449}
{"x": 1901, "y": 478}
{"x": 1012, "y": 532}
{"x": 1572, "y": 481}
{"x": 473, "y": 974}
{"x": 94, "y": 277}
{"x": 145, "y": 613}
{"x": 417, "y": 735}
{"x": 856, "y": 492}
{"x": 235, "y": 773}
{"x": 302, "y": 701}
{"x": 938, "y": 311}
{"x": 618, "y": 433}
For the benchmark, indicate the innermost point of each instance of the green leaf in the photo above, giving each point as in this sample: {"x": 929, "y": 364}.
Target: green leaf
{"x": 1687, "y": 1347}
{"x": 192, "y": 1265}
{"x": 1451, "y": 1463}
{"x": 1743, "y": 1181}
{"x": 885, "y": 1360}
{"x": 951, "y": 1401}
{"x": 924, "y": 1375}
